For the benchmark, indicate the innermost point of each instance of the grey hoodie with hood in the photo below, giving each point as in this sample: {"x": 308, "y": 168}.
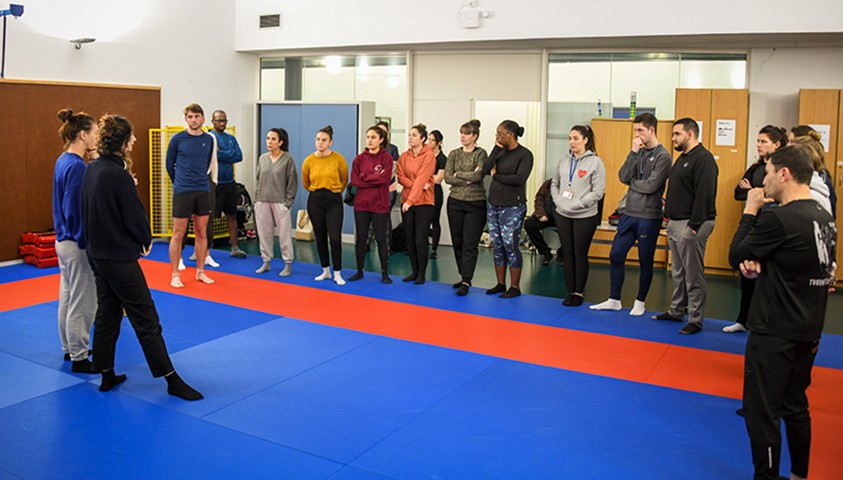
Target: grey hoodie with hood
{"x": 585, "y": 178}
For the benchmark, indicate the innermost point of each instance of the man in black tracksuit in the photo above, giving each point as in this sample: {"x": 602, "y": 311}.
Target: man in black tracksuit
{"x": 791, "y": 250}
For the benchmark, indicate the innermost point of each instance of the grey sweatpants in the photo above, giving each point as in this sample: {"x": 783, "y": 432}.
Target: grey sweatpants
{"x": 268, "y": 214}
{"x": 687, "y": 252}
{"x": 77, "y": 299}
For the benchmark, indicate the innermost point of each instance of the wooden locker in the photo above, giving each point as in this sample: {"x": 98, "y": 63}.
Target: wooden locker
{"x": 821, "y": 107}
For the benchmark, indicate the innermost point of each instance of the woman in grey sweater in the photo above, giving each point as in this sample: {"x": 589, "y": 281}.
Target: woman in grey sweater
{"x": 466, "y": 202}
{"x": 276, "y": 186}
{"x": 576, "y": 188}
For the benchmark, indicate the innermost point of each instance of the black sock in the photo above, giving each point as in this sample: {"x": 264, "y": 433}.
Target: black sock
{"x": 82, "y": 366}
{"x": 356, "y": 276}
{"x": 177, "y": 387}
{"x": 385, "y": 278}
{"x": 110, "y": 380}
{"x": 499, "y": 288}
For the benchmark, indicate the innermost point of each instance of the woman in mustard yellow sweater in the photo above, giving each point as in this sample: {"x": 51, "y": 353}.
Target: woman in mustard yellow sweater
{"x": 324, "y": 174}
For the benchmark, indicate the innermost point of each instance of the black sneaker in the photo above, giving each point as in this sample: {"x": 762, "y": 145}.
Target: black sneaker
{"x": 511, "y": 293}
{"x": 462, "y": 290}
{"x": 546, "y": 258}
{"x": 568, "y": 300}
{"x": 691, "y": 328}
{"x": 670, "y": 318}
{"x": 457, "y": 285}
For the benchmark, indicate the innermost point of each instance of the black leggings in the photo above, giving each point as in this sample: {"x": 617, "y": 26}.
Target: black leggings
{"x": 324, "y": 208}
{"x": 436, "y": 227}
{"x": 416, "y": 226}
{"x": 576, "y": 235}
{"x": 466, "y": 221}
{"x": 378, "y": 221}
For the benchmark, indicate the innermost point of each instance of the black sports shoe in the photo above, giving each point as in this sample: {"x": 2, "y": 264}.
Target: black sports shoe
{"x": 670, "y": 318}
{"x": 568, "y": 300}
{"x": 691, "y": 328}
{"x": 463, "y": 289}
{"x": 546, "y": 258}
{"x": 511, "y": 293}
{"x": 457, "y": 285}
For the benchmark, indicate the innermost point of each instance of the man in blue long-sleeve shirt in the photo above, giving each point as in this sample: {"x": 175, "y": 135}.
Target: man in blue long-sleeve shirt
{"x": 225, "y": 201}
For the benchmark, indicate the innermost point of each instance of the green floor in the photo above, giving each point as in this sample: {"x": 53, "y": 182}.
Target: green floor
{"x": 549, "y": 281}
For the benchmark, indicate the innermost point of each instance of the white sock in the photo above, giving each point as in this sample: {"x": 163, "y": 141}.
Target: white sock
{"x": 734, "y": 328}
{"x": 181, "y": 265}
{"x": 610, "y": 304}
{"x": 192, "y": 256}
{"x": 637, "y": 309}
{"x": 210, "y": 262}
{"x": 326, "y": 274}
{"x": 263, "y": 268}
{"x": 338, "y": 278}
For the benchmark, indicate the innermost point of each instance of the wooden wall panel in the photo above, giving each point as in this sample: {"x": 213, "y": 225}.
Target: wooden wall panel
{"x": 36, "y": 130}
{"x": 695, "y": 103}
{"x": 731, "y": 163}
{"x": 822, "y": 107}
{"x": 613, "y": 138}
{"x": 13, "y": 143}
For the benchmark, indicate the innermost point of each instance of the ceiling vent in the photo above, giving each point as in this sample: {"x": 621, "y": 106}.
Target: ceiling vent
{"x": 271, "y": 21}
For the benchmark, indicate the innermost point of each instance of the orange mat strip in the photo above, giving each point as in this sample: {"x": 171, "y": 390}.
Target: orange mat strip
{"x": 25, "y": 293}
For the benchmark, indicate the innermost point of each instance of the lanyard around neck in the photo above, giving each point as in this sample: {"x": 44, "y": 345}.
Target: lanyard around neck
{"x": 572, "y": 167}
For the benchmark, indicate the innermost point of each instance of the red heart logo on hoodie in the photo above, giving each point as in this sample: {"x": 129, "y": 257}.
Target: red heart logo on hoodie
{"x": 582, "y": 173}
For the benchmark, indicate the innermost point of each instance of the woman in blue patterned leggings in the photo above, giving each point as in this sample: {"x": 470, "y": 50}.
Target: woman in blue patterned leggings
{"x": 509, "y": 165}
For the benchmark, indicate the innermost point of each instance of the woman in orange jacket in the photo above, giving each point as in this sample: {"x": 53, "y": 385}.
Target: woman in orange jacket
{"x": 415, "y": 174}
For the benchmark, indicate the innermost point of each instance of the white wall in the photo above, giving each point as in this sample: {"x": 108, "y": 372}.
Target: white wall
{"x": 775, "y": 77}
{"x": 330, "y": 23}
{"x": 185, "y": 47}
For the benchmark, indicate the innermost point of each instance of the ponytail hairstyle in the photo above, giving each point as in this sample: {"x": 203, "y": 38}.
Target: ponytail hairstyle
{"x": 115, "y": 131}
{"x": 471, "y": 127}
{"x": 588, "y": 134}
{"x": 422, "y": 129}
{"x": 327, "y": 130}
{"x": 437, "y": 135}
{"x": 380, "y": 133}
{"x": 816, "y": 149}
{"x": 513, "y": 127}
{"x": 73, "y": 124}
{"x": 282, "y": 135}
{"x": 804, "y": 131}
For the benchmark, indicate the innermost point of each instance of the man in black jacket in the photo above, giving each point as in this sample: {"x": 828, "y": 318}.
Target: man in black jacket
{"x": 690, "y": 209}
{"x": 790, "y": 249}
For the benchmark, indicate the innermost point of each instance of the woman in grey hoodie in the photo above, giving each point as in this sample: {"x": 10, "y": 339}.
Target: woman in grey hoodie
{"x": 576, "y": 188}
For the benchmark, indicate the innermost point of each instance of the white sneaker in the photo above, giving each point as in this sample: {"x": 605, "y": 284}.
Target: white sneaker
{"x": 181, "y": 265}
{"x": 610, "y": 304}
{"x": 734, "y": 328}
{"x": 210, "y": 262}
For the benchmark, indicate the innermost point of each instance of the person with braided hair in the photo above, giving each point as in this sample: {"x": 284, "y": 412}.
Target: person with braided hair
{"x": 117, "y": 233}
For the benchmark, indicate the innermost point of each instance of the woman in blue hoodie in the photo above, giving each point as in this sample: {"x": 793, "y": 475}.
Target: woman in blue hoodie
{"x": 576, "y": 188}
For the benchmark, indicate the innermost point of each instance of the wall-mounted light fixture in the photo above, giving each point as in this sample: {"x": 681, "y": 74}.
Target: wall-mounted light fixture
{"x": 78, "y": 42}
{"x": 470, "y": 14}
{"x": 15, "y": 11}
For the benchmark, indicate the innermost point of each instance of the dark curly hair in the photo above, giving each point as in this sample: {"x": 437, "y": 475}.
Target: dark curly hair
{"x": 115, "y": 131}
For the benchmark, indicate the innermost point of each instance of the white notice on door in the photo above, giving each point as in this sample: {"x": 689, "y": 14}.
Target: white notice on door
{"x": 725, "y": 133}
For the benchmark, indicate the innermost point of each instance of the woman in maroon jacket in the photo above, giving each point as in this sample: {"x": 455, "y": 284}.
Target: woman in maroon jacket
{"x": 370, "y": 175}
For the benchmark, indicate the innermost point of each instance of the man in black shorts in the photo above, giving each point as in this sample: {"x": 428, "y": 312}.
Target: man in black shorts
{"x": 791, "y": 250}
{"x": 191, "y": 157}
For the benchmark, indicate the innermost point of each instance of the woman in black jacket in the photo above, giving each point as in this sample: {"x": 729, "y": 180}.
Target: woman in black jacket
{"x": 770, "y": 138}
{"x": 117, "y": 234}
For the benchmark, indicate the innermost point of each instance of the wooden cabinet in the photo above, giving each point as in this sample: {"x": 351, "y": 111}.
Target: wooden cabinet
{"x": 823, "y": 107}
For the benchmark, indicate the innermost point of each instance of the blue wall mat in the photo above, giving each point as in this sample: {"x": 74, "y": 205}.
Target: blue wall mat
{"x": 302, "y": 121}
